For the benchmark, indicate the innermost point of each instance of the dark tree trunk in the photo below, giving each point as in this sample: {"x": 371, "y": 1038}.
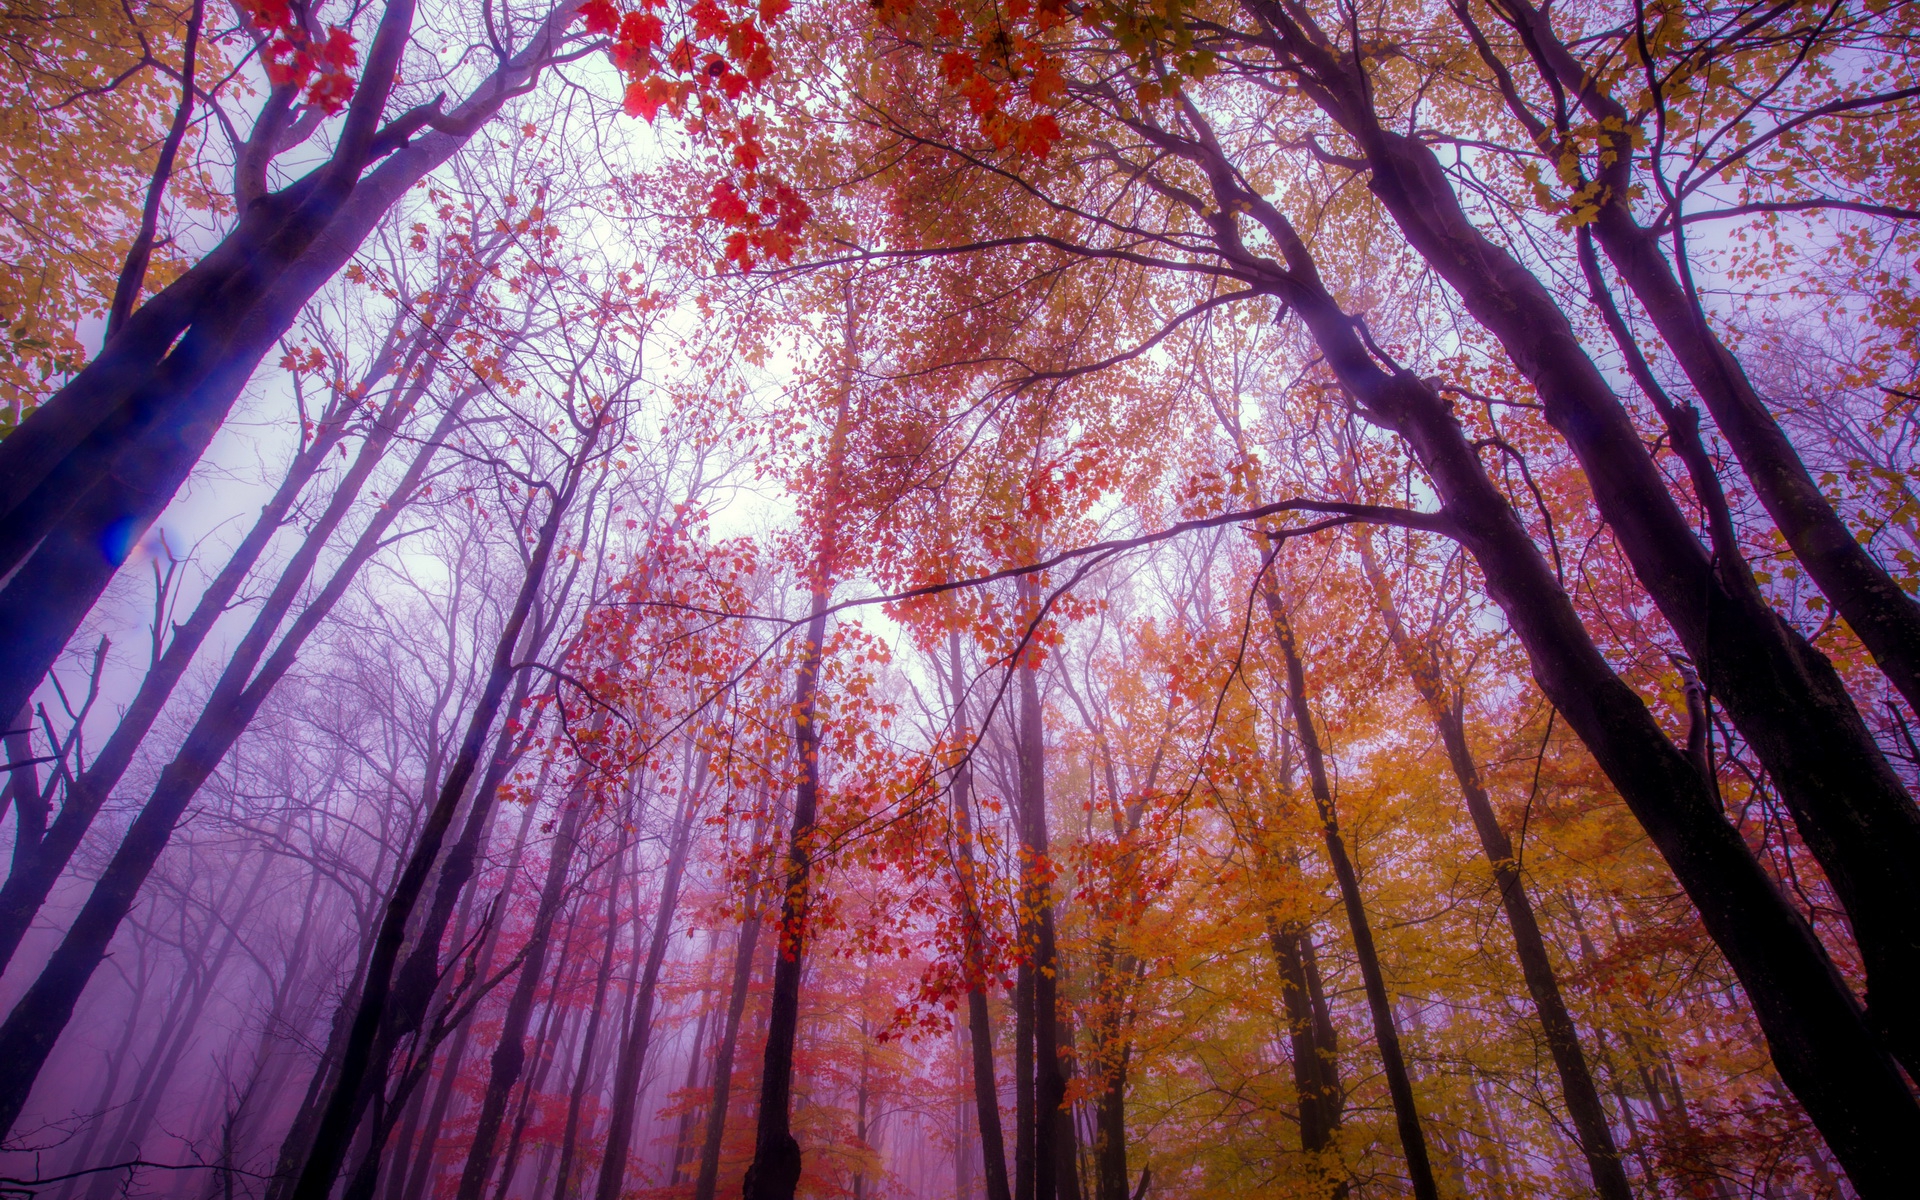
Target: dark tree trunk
{"x": 1875, "y": 607}
{"x": 563, "y": 1186}
{"x": 1819, "y": 1037}
{"x": 707, "y": 1183}
{"x": 1563, "y": 1038}
{"x": 181, "y": 358}
{"x": 42, "y": 1013}
{"x": 1315, "y": 1045}
{"x": 343, "y": 1107}
{"x": 1783, "y": 695}
{"x": 633, "y": 1052}
{"x": 415, "y": 1183}
{"x": 986, "y": 1089}
{"x": 510, "y": 1055}
{"x": 1052, "y": 1119}
{"x": 1413, "y": 1140}
{"x": 775, "y": 1170}
{"x": 32, "y": 878}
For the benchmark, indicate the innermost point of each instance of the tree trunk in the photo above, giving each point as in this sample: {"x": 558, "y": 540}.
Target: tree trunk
{"x": 42, "y": 1013}
{"x": 342, "y": 1110}
{"x": 1399, "y": 1083}
{"x": 1783, "y": 694}
{"x": 707, "y": 1183}
{"x": 1815, "y": 1028}
{"x": 167, "y": 1053}
{"x": 774, "y": 1172}
{"x": 986, "y": 1089}
{"x": 563, "y": 1187}
{"x": 1563, "y": 1038}
{"x": 415, "y": 1183}
{"x": 510, "y": 1055}
{"x": 32, "y": 879}
{"x": 633, "y": 1053}
{"x": 1052, "y": 1120}
{"x": 182, "y": 357}
{"x": 1875, "y": 607}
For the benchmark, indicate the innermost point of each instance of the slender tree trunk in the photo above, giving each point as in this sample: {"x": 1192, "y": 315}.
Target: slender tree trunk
{"x": 986, "y": 1089}
{"x": 553, "y": 1031}
{"x": 1783, "y": 695}
{"x": 182, "y": 357}
{"x": 707, "y": 1183}
{"x": 1413, "y": 1140}
{"x": 1052, "y": 1120}
{"x": 1563, "y": 1038}
{"x": 32, "y": 877}
{"x": 416, "y": 1182}
{"x": 774, "y": 1173}
{"x": 42, "y": 1013}
{"x": 343, "y": 1107}
{"x": 1815, "y": 1028}
{"x": 563, "y": 1186}
{"x": 633, "y": 1053}
{"x": 510, "y": 1055}
{"x": 1025, "y": 1127}
{"x": 160, "y": 1069}
{"x": 133, "y": 271}
{"x": 682, "y": 1141}
{"x": 1315, "y": 1045}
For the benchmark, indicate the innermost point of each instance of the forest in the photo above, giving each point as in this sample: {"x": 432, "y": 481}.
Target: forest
{"x": 960, "y": 599}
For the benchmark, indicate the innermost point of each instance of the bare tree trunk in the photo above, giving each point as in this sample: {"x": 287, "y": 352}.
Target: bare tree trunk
{"x": 1815, "y": 1029}
{"x": 146, "y": 407}
{"x": 682, "y": 1141}
{"x": 707, "y": 1183}
{"x": 1399, "y": 1083}
{"x": 33, "y": 875}
{"x": 415, "y": 1183}
{"x": 1052, "y": 1120}
{"x": 633, "y": 1054}
{"x": 563, "y": 1187}
{"x": 344, "y": 1105}
{"x": 42, "y": 1013}
{"x": 1563, "y": 1038}
{"x": 986, "y": 1089}
{"x": 1783, "y": 694}
{"x": 167, "y": 1052}
{"x": 510, "y": 1055}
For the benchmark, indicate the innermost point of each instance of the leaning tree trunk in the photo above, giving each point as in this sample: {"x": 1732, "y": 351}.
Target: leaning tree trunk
{"x": 96, "y": 463}
{"x": 343, "y": 1107}
{"x": 30, "y": 1031}
{"x": 706, "y": 1185}
{"x": 1413, "y": 1140}
{"x": 633, "y": 1054}
{"x": 1783, "y": 694}
{"x": 1816, "y": 1031}
{"x": 33, "y": 877}
{"x": 510, "y": 1054}
{"x": 590, "y": 1039}
{"x": 1536, "y": 967}
{"x": 1875, "y": 607}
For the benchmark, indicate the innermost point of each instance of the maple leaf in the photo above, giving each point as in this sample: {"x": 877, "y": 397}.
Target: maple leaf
{"x": 600, "y": 16}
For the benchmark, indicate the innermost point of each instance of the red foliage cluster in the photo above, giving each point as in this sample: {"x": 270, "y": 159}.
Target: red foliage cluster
{"x": 719, "y": 55}
{"x": 297, "y": 58}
